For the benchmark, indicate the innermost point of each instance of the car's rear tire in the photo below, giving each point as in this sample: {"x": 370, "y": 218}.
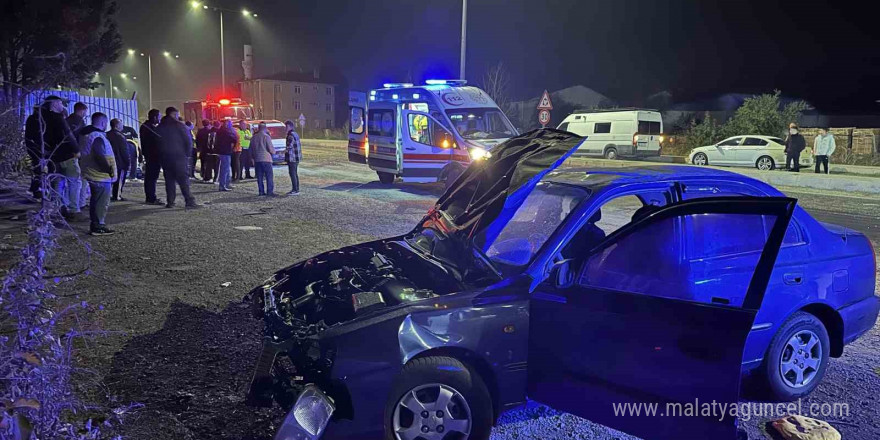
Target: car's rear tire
{"x": 611, "y": 153}
{"x": 765, "y": 163}
{"x": 385, "y": 178}
{"x": 421, "y": 384}
{"x": 797, "y": 358}
{"x": 700, "y": 159}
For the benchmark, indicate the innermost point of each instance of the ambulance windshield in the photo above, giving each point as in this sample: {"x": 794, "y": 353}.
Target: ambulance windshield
{"x": 481, "y": 123}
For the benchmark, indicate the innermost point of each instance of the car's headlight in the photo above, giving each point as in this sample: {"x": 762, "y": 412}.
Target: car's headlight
{"x": 308, "y": 417}
{"x": 478, "y": 153}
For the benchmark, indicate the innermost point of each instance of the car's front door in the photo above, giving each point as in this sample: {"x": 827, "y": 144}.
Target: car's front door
{"x": 748, "y": 153}
{"x": 724, "y": 152}
{"x": 428, "y": 148}
{"x": 628, "y": 342}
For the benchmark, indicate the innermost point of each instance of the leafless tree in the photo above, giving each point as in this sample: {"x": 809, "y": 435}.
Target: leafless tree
{"x": 496, "y": 82}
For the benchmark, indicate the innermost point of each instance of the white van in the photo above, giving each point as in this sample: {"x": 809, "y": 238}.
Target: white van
{"x": 617, "y": 133}
{"x": 424, "y": 133}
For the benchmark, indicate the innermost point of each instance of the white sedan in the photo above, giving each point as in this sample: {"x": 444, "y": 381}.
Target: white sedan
{"x": 761, "y": 152}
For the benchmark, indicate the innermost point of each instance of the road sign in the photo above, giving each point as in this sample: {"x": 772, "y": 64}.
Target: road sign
{"x": 544, "y": 103}
{"x": 544, "y": 117}
{"x": 302, "y": 120}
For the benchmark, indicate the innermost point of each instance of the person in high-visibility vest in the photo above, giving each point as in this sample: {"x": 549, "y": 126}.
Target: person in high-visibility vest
{"x": 246, "y": 162}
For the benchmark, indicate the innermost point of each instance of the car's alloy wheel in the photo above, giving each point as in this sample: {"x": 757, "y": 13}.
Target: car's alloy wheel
{"x": 764, "y": 163}
{"x": 431, "y": 412}
{"x": 611, "y": 154}
{"x": 801, "y": 358}
{"x": 700, "y": 159}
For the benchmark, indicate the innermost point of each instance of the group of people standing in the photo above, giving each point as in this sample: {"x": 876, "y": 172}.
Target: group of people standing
{"x": 227, "y": 154}
{"x": 90, "y": 161}
{"x": 823, "y": 147}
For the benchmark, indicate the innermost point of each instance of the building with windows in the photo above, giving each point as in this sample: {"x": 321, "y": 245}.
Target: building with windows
{"x": 321, "y": 99}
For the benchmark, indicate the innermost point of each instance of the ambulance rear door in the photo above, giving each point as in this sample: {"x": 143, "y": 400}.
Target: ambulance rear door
{"x": 429, "y": 149}
{"x": 357, "y": 134}
{"x": 382, "y": 128}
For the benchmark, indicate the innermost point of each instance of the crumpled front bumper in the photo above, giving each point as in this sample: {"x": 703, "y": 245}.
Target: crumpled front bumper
{"x": 308, "y": 417}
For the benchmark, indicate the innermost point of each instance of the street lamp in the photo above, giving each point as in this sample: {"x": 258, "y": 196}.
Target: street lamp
{"x": 123, "y": 75}
{"x": 463, "y": 37}
{"x": 245, "y": 12}
{"x": 131, "y": 51}
{"x": 150, "y": 71}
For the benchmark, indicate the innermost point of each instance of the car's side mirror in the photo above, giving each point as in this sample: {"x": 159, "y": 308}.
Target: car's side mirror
{"x": 561, "y": 273}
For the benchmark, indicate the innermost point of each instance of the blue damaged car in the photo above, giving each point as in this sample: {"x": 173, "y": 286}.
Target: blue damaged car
{"x": 580, "y": 289}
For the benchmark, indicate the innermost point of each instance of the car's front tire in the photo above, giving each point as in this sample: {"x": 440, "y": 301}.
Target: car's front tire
{"x": 797, "y": 357}
{"x": 611, "y": 153}
{"x": 765, "y": 163}
{"x": 700, "y": 159}
{"x": 435, "y": 397}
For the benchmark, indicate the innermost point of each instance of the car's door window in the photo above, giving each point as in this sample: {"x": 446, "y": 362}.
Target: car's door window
{"x": 649, "y": 259}
{"x": 754, "y": 142}
{"x": 357, "y": 120}
{"x": 730, "y": 142}
{"x": 381, "y": 122}
{"x": 418, "y": 128}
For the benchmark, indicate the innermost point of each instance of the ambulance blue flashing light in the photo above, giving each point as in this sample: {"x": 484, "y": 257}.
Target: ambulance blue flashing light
{"x": 441, "y": 82}
{"x": 394, "y": 96}
{"x": 415, "y": 96}
{"x": 395, "y": 85}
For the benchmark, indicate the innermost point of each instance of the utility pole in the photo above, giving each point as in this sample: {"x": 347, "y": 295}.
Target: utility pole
{"x": 150, "y": 78}
{"x": 463, "y": 37}
{"x": 222, "y": 56}
{"x": 111, "y": 86}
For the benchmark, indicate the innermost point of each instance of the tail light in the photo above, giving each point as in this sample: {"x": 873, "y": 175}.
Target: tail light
{"x": 635, "y": 139}
{"x": 366, "y": 145}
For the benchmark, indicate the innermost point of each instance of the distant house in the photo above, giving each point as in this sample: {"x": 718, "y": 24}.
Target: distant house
{"x": 524, "y": 113}
{"x": 321, "y": 99}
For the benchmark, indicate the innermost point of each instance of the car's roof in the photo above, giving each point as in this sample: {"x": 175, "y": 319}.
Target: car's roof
{"x": 598, "y": 178}
{"x": 760, "y": 136}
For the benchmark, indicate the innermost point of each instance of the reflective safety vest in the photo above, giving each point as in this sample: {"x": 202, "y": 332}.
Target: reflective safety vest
{"x": 244, "y": 137}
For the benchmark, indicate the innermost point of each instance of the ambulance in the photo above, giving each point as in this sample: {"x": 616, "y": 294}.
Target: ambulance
{"x": 424, "y": 133}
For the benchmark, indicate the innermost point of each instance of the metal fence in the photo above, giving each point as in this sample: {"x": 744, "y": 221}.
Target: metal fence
{"x": 123, "y": 109}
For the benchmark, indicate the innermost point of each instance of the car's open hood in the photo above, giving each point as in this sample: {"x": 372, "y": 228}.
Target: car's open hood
{"x": 489, "y": 192}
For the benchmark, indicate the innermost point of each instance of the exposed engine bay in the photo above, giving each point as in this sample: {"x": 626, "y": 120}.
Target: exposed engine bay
{"x": 342, "y": 285}
{"x": 298, "y": 303}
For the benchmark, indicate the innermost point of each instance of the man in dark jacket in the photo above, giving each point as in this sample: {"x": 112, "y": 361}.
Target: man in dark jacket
{"x": 202, "y": 137}
{"x": 224, "y": 145}
{"x": 77, "y": 119}
{"x": 150, "y": 147}
{"x": 121, "y": 155}
{"x": 57, "y": 145}
{"x": 794, "y": 144}
{"x": 176, "y": 148}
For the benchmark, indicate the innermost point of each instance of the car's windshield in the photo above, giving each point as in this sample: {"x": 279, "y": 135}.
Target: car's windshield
{"x": 236, "y": 112}
{"x": 481, "y": 123}
{"x": 545, "y": 208}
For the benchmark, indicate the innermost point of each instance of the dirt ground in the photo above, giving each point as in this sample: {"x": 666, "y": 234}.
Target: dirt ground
{"x": 182, "y": 344}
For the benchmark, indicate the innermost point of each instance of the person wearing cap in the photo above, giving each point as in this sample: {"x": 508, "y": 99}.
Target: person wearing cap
{"x": 99, "y": 169}
{"x": 53, "y": 149}
{"x": 823, "y": 148}
{"x": 175, "y": 149}
{"x": 152, "y": 156}
{"x": 794, "y": 144}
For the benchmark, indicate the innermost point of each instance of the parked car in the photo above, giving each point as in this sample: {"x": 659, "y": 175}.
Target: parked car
{"x": 761, "y": 152}
{"x": 580, "y": 289}
{"x": 617, "y": 133}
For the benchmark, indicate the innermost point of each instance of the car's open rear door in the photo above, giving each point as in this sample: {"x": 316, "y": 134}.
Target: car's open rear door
{"x": 357, "y": 133}
{"x": 625, "y": 342}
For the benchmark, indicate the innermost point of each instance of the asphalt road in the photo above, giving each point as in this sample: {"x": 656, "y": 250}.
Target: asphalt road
{"x": 170, "y": 281}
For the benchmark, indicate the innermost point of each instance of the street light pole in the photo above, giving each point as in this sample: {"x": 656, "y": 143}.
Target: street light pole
{"x": 111, "y": 86}
{"x": 150, "y": 78}
{"x": 463, "y": 37}
{"x": 222, "y": 56}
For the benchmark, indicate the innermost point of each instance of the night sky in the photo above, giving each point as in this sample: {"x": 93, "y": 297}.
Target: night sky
{"x": 825, "y": 52}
